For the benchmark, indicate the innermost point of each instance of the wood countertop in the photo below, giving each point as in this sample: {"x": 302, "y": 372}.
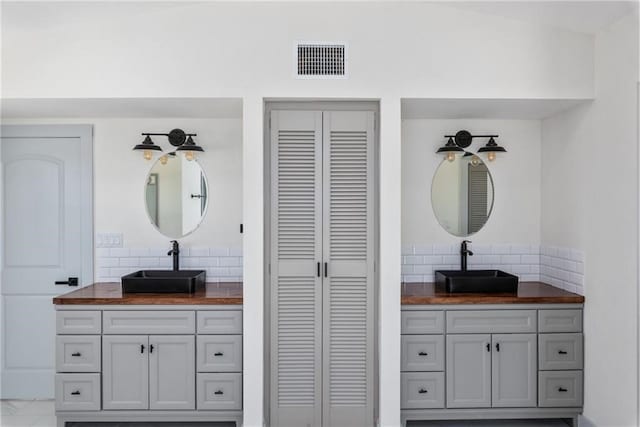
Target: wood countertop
{"x": 227, "y": 293}
{"x": 528, "y": 293}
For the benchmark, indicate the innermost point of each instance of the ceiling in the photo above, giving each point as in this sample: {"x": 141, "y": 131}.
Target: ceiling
{"x": 122, "y": 107}
{"x": 574, "y": 15}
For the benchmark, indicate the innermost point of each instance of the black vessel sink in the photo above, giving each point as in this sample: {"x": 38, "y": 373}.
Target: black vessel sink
{"x": 476, "y": 281}
{"x": 164, "y": 281}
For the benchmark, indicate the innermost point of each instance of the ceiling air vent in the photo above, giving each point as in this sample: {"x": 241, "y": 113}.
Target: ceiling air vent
{"x": 321, "y": 60}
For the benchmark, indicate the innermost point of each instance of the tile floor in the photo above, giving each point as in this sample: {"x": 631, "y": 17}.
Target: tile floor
{"x": 40, "y": 413}
{"x": 27, "y": 413}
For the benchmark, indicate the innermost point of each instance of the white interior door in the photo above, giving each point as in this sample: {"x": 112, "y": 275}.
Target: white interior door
{"x": 47, "y": 236}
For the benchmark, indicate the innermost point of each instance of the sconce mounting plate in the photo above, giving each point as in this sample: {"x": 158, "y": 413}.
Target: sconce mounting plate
{"x": 463, "y": 138}
{"x": 177, "y": 137}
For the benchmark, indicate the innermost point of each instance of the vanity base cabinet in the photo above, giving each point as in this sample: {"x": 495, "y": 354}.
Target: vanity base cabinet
{"x": 501, "y": 362}
{"x": 129, "y": 372}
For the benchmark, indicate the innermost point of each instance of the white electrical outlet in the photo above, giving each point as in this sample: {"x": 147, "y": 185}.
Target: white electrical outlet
{"x": 109, "y": 240}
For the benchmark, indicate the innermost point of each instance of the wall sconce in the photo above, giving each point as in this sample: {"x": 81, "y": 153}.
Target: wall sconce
{"x": 177, "y": 138}
{"x": 462, "y": 139}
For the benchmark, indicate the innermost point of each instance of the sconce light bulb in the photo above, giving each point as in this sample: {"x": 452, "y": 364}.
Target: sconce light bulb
{"x": 475, "y": 161}
{"x": 147, "y": 154}
{"x": 451, "y": 156}
{"x": 189, "y": 155}
{"x": 491, "y": 156}
{"x": 164, "y": 159}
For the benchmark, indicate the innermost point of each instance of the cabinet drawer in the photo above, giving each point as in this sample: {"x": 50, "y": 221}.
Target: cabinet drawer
{"x": 422, "y": 322}
{"x": 219, "y": 391}
{"x": 560, "y": 351}
{"x": 148, "y": 322}
{"x": 560, "y": 320}
{"x": 422, "y": 390}
{"x": 219, "y": 353}
{"x": 78, "y": 322}
{"x": 560, "y": 389}
{"x": 491, "y": 321}
{"x": 220, "y": 322}
{"x": 422, "y": 353}
{"x": 78, "y": 353}
{"x": 77, "y": 392}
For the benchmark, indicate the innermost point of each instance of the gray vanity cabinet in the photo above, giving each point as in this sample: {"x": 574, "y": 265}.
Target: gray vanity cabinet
{"x": 500, "y": 361}
{"x": 149, "y": 372}
{"x": 469, "y": 371}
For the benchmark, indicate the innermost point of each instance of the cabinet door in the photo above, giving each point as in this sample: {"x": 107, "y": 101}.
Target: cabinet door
{"x": 348, "y": 224}
{"x": 172, "y": 375}
{"x": 296, "y": 285}
{"x": 469, "y": 371}
{"x": 125, "y": 372}
{"x": 514, "y": 370}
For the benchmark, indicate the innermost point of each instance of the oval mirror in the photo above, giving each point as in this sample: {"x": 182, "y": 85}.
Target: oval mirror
{"x": 462, "y": 194}
{"x": 176, "y": 195}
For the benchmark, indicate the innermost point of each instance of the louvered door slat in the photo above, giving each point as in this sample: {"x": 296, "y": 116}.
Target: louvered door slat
{"x": 348, "y": 247}
{"x": 296, "y": 297}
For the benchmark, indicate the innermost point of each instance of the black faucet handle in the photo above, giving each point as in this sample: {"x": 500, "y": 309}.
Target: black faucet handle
{"x": 467, "y": 241}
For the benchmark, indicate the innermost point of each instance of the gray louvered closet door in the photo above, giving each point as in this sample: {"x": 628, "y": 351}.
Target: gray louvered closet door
{"x": 322, "y": 212}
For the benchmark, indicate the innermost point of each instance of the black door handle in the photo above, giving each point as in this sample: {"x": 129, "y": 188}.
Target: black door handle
{"x": 326, "y": 269}
{"x": 76, "y": 354}
{"x": 151, "y": 348}
{"x": 141, "y": 348}
{"x": 318, "y": 270}
{"x": 497, "y": 346}
{"x": 423, "y": 353}
{"x": 218, "y": 354}
{"x": 562, "y": 352}
{"x": 488, "y": 347}
{"x": 422, "y": 391}
{"x": 72, "y": 281}
{"x": 75, "y": 393}
{"x": 219, "y": 392}
{"x": 562, "y": 389}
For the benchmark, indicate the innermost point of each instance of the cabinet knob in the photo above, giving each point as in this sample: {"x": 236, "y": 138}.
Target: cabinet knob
{"x": 562, "y": 352}
{"x": 219, "y": 392}
{"x": 218, "y": 354}
{"x": 422, "y": 391}
{"x": 76, "y": 354}
{"x": 75, "y": 393}
{"x": 423, "y": 353}
{"x": 562, "y": 389}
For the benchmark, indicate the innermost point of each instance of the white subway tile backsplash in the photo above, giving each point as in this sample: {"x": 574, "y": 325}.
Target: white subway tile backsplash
{"x": 560, "y": 267}
{"x": 119, "y": 252}
{"x": 221, "y": 264}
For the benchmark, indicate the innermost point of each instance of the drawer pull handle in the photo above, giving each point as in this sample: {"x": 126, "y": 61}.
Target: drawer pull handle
{"x": 218, "y": 354}
{"x": 562, "y": 389}
{"x": 562, "y": 352}
{"x": 422, "y": 391}
{"x": 423, "y": 353}
{"x": 76, "y": 354}
{"x": 219, "y": 392}
{"x": 75, "y": 393}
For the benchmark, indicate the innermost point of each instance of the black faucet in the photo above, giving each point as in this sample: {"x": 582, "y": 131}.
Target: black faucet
{"x": 175, "y": 252}
{"x": 463, "y": 254}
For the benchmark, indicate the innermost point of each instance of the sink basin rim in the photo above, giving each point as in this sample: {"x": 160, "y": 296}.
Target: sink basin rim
{"x": 163, "y": 281}
{"x": 476, "y": 281}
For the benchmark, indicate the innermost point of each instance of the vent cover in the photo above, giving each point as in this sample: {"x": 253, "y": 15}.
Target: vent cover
{"x": 321, "y": 60}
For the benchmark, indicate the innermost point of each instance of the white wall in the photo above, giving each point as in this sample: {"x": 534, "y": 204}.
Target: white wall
{"x": 120, "y": 178}
{"x": 590, "y": 201}
{"x": 516, "y": 178}
{"x": 417, "y": 49}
